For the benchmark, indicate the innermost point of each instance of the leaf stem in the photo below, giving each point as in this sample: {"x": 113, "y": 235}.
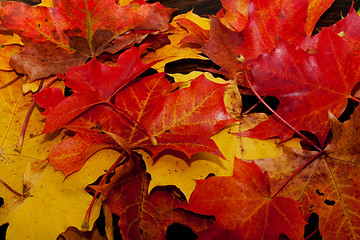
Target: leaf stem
{"x": 10, "y": 188}
{"x": 311, "y": 234}
{"x": 252, "y": 107}
{"x": 20, "y": 142}
{"x": 12, "y": 81}
{"x": 297, "y": 171}
{"x": 354, "y": 98}
{"x": 275, "y": 114}
{"x": 85, "y": 223}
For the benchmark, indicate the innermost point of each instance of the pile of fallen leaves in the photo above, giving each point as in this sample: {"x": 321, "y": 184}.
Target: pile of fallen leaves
{"x": 93, "y": 125}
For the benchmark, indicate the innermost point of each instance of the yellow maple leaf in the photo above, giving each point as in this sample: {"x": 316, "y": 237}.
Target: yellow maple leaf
{"x": 14, "y": 106}
{"x": 173, "y": 170}
{"x": 49, "y": 204}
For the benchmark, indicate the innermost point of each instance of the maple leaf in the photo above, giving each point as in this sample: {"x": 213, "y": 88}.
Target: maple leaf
{"x": 72, "y": 31}
{"x": 242, "y": 204}
{"x": 144, "y": 216}
{"x": 328, "y": 185}
{"x": 305, "y": 85}
{"x": 333, "y": 189}
{"x": 92, "y": 84}
{"x": 47, "y": 203}
{"x": 178, "y": 114}
{"x": 14, "y": 106}
{"x": 266, "y": 22}
{"x": 169, "y": 117}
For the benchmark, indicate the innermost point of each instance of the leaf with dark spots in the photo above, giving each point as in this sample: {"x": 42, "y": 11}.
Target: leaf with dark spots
{"x": 328, "y": 202}
{"x": 329, "y": 186}
{"x": 320, "y": 193}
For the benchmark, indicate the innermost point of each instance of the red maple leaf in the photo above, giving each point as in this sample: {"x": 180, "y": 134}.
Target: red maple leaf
{"x": 183, "y": 120}
{"x": 307, "y": 85}
{"x": 72, "y": 31}
{"x": 267, "y": 22}
{"x": 243, "y": 206}
{"x": 93, "y": 83}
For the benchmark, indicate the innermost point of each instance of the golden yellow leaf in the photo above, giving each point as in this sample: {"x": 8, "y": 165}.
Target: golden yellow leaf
{"x": 14, "y": 106}
{"x": 172, "y": 170}
{"x": 52, "y": 203}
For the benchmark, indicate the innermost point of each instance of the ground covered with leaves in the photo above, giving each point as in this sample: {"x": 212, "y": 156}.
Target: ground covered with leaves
{"x": 131, "y": 120}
